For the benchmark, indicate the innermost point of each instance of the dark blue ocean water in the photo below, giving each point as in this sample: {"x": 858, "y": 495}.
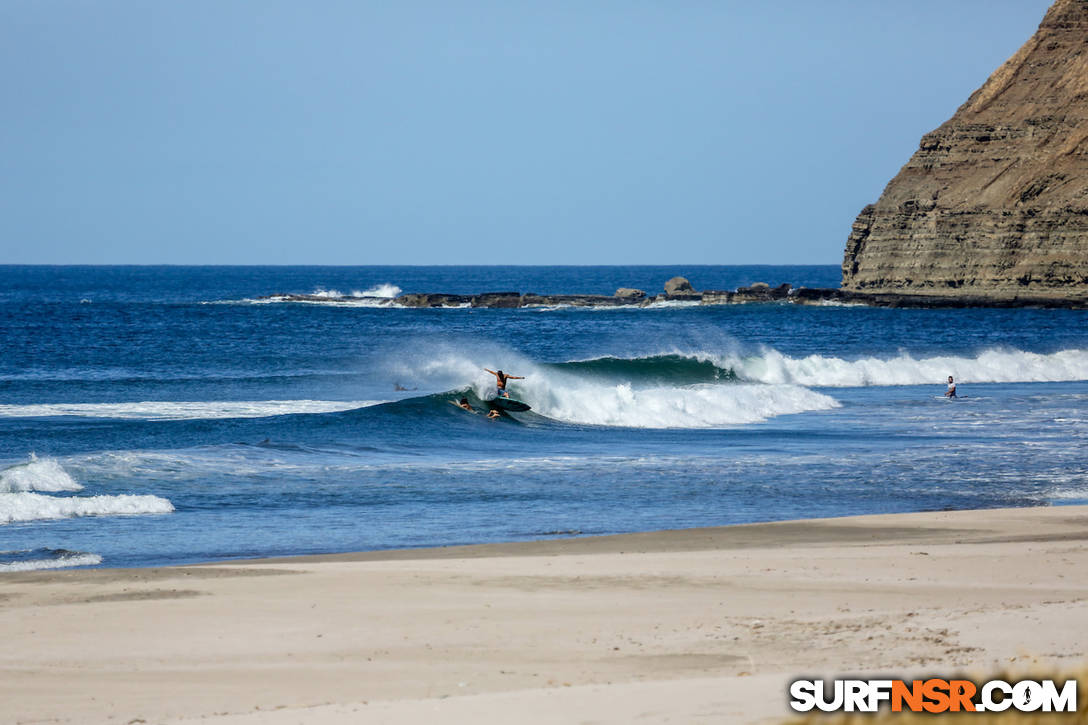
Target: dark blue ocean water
{"x": 157, "y": 415}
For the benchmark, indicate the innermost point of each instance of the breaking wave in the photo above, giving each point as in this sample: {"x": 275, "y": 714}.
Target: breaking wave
{"x": 775, "y": 368}
{"x": 15, "y": 507}
{"x": 671, "y": 392}
{"x": 21, "y": 498}
{"x": 991, "y": 366}
{"x": 714, "y": 389}
{"x": 37, "y": 475}
{"x": 182, "y": 410}
{"x": 382, "y": 290}
{"x": 386, "y": 290}
{"x": 35, "y": 559}
{"x": 380, "y": 295}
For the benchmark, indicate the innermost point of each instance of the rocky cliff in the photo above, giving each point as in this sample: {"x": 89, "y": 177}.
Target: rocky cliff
{"x": 994, "y": 203}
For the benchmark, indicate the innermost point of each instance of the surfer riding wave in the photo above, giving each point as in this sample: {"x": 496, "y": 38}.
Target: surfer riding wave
{"x": 500, "y": 381}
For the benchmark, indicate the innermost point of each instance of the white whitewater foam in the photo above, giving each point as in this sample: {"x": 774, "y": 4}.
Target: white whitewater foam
{"x": 37, "y": 475}
{"x": 16, "y": 507}
{"x": 693, "y": 406}
{"x": 19, "y": 500}
{"x": 62, "y": 562}
{"x": 184, "y": 410}
{"x": 991, "y": 366}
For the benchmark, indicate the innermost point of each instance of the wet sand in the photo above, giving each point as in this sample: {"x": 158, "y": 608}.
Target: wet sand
{"x": 699, "y": 625}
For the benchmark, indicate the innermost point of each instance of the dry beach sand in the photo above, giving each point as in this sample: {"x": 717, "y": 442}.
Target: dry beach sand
{"x": 703, "y": 625}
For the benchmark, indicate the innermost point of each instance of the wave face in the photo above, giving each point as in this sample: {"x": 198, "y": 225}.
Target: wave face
{"x": 672, "y": 368}
{"x": 181, "y": 410}
{"x": 21, "y": 500}
{"x": 991, "y": 366}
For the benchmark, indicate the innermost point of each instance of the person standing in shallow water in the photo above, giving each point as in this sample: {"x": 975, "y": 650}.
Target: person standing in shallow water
{"x": 951, "y": 392}
{"x": 500, "y": 381}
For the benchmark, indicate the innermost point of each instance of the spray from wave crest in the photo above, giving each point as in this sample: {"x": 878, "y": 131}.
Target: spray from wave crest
{"x": 991, "y": 366}
{"x": 380, "y": 295}
{"x": 386, "y": 290}
{"x": 20, "y": 499}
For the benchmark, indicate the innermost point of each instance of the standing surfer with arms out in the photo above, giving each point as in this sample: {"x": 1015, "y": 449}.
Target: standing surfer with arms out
{"x": 500, "y": 381}
{"x": 951, "y": 388}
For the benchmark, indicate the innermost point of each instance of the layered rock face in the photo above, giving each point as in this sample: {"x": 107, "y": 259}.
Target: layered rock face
{"x": 994, "y": 204}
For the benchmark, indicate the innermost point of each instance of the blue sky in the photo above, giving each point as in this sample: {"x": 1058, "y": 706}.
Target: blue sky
{"x": 561, "y": 132}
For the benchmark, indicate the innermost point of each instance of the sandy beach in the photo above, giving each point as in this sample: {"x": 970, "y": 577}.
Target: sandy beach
{"x": 701, "y": 625}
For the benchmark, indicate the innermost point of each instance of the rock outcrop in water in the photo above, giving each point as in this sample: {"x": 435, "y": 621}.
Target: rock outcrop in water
{"x": 624, "y": 297}
{"x": 993, "y": 207}
{"x": 758, "y": 292}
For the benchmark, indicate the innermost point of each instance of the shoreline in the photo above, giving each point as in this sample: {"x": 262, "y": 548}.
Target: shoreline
{"x": 689, "y": 625}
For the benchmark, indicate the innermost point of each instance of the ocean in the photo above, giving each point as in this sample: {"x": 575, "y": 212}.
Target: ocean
{"x": 166, "y": 415}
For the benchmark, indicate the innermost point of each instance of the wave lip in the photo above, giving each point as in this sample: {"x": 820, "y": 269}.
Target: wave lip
{"x": 183, "y": 410}
{"x": 36, "y": 559}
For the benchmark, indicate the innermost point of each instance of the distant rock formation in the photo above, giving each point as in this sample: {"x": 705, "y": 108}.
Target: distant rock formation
{"x": 624, "y": 297}
{"x": 994, "y": 204}
{"x": 679, "y": 286}
{"x": 757, "y": 292}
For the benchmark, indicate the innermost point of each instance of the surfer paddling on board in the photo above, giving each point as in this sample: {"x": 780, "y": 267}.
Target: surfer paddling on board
{"x": 951, "y": 393}
{"x": 500, "y": 381}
